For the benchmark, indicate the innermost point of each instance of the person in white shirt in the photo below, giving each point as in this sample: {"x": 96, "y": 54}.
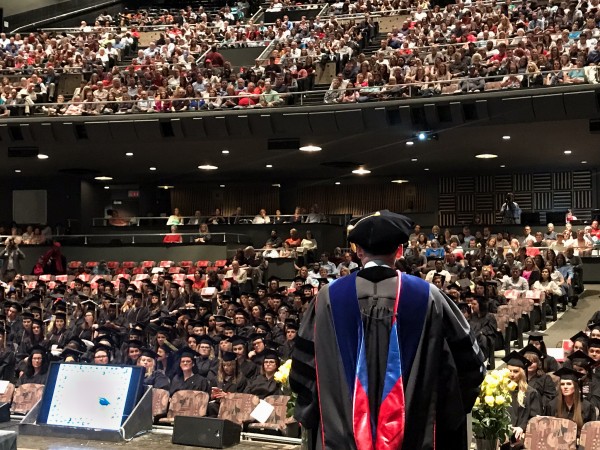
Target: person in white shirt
{"x": 261, "y": 218}
{"x": 439, "y": 270}
{"x": 515, "y": 282}
{"x": 325, "y": 263}
{"x": 528, "y": 235}
{"x": 347, "y": 263}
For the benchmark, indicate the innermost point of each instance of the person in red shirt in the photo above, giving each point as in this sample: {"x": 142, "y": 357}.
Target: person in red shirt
{"x": 595, "y": 230}
{"x": 173, "y": 237}
{"x": 199, "y": 283}
{"x": 294, "y": 240}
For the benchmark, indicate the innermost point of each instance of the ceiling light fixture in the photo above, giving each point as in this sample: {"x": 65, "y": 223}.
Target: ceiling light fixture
{"x": 103, "y": 178}
{"x": 225, "y": 152}
{"x": 207, "y": 167}
{"x": 17, "y": 170}
{"x": 106, "y": 187}
{"x": 583, "y": 162}
{"x": 399, "y": 181}
{"x": 152, "y": 168}
{"x": 222, "y": 185}
{"x": 503, "y": 165}
{"x": 337, "y": 183}
{"x": 361, "y": 171}
{"x": 42, "y": 156}
{"x": 414, "y": 159}
{"x": 409, "y": 143}
{"x": 506, "y": 138}
{"x": 486, "y": 156}
{"x": 426, "y": 168}
{"x": 310, "y": 148}
{"x": 128, "y": 154}
{"x": 277, "y": 185}
{"x": 567, "y": 152}
{"x": 166, "y": 186}
{"x": 269, "y": 166}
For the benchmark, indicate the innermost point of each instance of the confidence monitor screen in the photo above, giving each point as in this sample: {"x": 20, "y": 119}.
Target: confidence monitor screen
{"x": 90, "y": 396}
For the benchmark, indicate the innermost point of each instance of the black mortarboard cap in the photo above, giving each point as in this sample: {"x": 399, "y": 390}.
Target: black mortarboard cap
{"x": 61, "y": 315}
{"x": 536, "y": 336}
{"x": 75, "y": 354}
{"x": 228, "y": 356}
{"x": 594, "y": 343}
{"x": 15, "y": 305}
{"x": 517, "y": 360}
{"x": 581, "y": 336}
{"x": 581, "y": 356}
{"x": 135, "y": 343}
{"x": 27, "y": 315}
{"x": 149, "y": 353}
{"x": 565, "y": 373}
{"x": 532, "y": 349}
{"x": 254, "y": 336}
{"x": 381, "y": 233}
{"x": 270, "y": 354}
{"x": 237, "y": 340}
{"x": 38, "y": 322}
{"x": 229, "y": 326}
{"x": 594, "y": 325}
{"x": 219, "y": 318}
{"x": 206, "y": 339}
{"x": 186, "y": 351}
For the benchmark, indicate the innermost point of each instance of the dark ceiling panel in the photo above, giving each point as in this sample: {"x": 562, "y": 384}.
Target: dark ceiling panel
{"x": 216, "y": 127}
{"x": 581, "y": 105}
{"x": 4, "y": 136}
{"x": 42, "y": 132}
{"x": 238, "y": 125}
{"x": 261, "y": 125}
{"x": 193, "y": 127}
{"x": 64, "y": 131}
{"x": 124, "y": 129}
{"x": 431, "y": 115}
{"x": 349, "y": 121}
{"x": 177, "y": 127}
{"x": 375, "y": 118}
{"x": 98, "y": 131}
{"x": 457, "y": 113}
{"x": 148, "y": 130}
{"x": 549, "y": 107}
{"x": 482, "y": 109}
{"x": 323, "y": 122}
{"x": 296, "y": 124}
{"x": 512, "y": 110}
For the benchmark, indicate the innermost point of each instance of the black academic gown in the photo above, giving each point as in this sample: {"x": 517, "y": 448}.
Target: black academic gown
{"x": 157, "y": 380}
{"x": 194, "y": 383}
{"x": 440, "y": 378}
{"x": 39, "y": 378}
{"x": 263, "y": 387}
{"x": 484, "y": 329}
{"x": 207, "y": 367}
{"x": 588, "y": 412}
{"x": 532, "y": 406}
{"x": 550, "y": 364}
{"x": 7, "y": 365}
{"x": 248, "y": 368}
{"x": 546, "y": 388}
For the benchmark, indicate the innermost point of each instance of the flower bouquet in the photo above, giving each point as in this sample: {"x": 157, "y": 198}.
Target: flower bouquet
{"x": 283, "y": 376}
{"x": 491, "y": 419}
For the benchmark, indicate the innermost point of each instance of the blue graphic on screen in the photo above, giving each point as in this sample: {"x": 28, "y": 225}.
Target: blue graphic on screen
{"x": 89, "y": 396}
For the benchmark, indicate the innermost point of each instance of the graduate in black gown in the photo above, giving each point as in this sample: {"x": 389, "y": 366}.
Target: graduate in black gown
{"x": 526, "y": 402}
{"x": 360, "y": 322}
{"x": 7, "y": 358}
{"x": 264, "y": 384}
{"x": 36, "y": 369}
{"x": 187, "y": 377}
{"x": 247, "y": 367}
{"x": 230, "y": 379}
{"x": 536, "y": 338}
{"x": 569, "y": 404}
{"x": 153, "y": 376}
{"x": 537, "y": 378}
{"x": 483, "y": 324}
{"x": 590, "y": 388}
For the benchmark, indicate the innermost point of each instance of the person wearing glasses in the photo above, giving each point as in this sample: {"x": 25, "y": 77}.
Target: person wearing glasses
{"x": 187, "y": 377}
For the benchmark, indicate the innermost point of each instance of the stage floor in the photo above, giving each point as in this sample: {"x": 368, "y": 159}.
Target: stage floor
{"x": 150, "y": 441}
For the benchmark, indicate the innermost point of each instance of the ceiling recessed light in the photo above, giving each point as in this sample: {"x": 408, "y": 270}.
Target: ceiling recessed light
{"x": 337, "y": 183}
{"x": 277, "y": 185}
{"x": 310, "y": 148}
{"x": 409, "y": 143}
{"x": 361, "y": 171}
{"x": 426, "y": 168}
{"x": 399, "y": 181}
{"x": 414, "y": 159}
{"x": 106, "y": 187}
{"x": 567, "y": 152}
{"x": 42, "y": 156}
{"x": 486, "y": 156}
{"x": 166, "y": 186}
{"x": 225, "y": 152}
{"x": 503, "y": 165}
{"x": 128, "y": 154}
{"x": 152, "y": 168}
{"x": 506, "y": 138}
{"x": 221, "y": 185}
{"x": 207, "y": 167}
{"x": 583, "y": 162}
{"x": 103, "y": 178}
{"x": 17, "y": 170}
{"x": 269, "y": 166}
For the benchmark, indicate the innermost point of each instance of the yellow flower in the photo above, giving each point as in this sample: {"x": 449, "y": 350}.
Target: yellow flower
{"x": 489, "y": 392}
{"x": 489, "y": 400}
{"x": 493, "y": 384}
{"x": 512, "y": 385}
{"x": 500, "y": 400}
{"x": 477, "y": 401}
{"x": 278, "y": 377}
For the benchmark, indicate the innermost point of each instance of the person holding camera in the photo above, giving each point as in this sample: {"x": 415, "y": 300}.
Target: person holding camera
{"x": 11, "y": 259}
{"x": 511, "y": 213}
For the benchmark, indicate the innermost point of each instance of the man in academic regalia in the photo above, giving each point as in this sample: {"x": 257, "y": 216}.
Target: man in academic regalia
{"x": 384, "y": 360}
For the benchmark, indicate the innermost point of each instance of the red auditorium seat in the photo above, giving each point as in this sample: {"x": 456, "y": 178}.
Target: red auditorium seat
{"x": 191, "y": 270}
{"x": 113, "y": 265}
{"x": 62, "y": 278}
{"x": 91, "y": 264}
{"x": 45, "y": 278}
{"x": 203, "y": 263}
{"x": 148, "y": 264}
{"x": 129, "y": 264}
{"x": 137, "y": 270}
{"x": 74, "y": 265}
{"x": 174, "y": 269}
{"x": 185, "y": 264}
{"x": 165, "y": 264}
{"x": 221, "y": 263}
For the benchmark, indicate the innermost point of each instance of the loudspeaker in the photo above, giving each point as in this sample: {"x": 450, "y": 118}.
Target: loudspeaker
{"x": 4, "y": 412}
{"x": 205, "y": 432}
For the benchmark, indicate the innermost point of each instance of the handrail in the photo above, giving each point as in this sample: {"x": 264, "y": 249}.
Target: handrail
{"x": 235, "y": 237}
{"x": 300, "y": 94}
{"x": 336, "y": 219}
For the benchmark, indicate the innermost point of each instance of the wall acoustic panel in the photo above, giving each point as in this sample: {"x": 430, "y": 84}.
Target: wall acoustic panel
{"x": 447, "y": 185}
{"x": 542, "y": 181}
{"x": 562, "y": 181}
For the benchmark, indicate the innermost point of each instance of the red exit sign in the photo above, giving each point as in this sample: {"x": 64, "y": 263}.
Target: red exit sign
{"x": 133, "y": 194}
